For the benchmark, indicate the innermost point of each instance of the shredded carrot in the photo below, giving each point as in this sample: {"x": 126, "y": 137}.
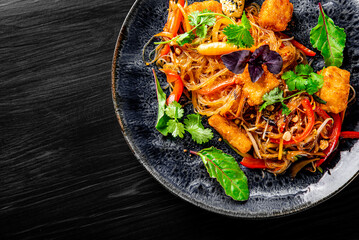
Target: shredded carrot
{"x": 280, "y": 152}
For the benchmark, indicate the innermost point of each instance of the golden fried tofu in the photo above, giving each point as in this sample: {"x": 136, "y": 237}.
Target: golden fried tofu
{"x": 275, "y": 14}
{"x": 231, "y": 132}
{"x": 254, "y": 91}
{"x": 213, "y": 6}
{"x": 335, "y": 90}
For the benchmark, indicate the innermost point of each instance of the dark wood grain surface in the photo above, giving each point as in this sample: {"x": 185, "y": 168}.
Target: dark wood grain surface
{"x": 66, "y": 171}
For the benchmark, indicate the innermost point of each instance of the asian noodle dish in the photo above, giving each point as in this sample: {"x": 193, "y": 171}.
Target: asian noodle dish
{"x": 255, "y": 84}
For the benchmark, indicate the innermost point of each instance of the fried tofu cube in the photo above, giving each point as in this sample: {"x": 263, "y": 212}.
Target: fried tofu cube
{"x": 231, "y": 132}
{"x": 213, "y": 6}
{"x": 233, "y": 8}
{"x": 275, "y": 14}
{"x": 335, "y": 90}
{"x": 254, "y": 92}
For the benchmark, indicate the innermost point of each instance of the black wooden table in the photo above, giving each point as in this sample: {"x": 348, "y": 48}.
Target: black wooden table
{"x": 66, "y": 171}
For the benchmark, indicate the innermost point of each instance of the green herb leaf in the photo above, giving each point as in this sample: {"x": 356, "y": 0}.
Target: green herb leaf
{"x": 194, "y": 126}
{"x": 304, "y": 79}
{"x": 239, "y": 35}
{"x": 162, "y": 118}
{"x": 197, "y": 18}
{"x": 274, "y": 96}
{"x": 201, "y": 31}
{"x": 201, "y": 21}
{"x": 303, "y": 69}
{"x": 184, "y": 38}
{"x": 285, "y": 109}
{"x": 329, "y": 39}
{"x": 175, "y": 128}
{"x": 226, "y": 170}
{"x": 174, "y": 110}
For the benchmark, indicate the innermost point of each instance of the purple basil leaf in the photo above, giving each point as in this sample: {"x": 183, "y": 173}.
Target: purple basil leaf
{"x": 255, "y": 71}
{"x": 273, "y": 61}
{"x": 236, "y": 61}
{"x": 257, "y": 56}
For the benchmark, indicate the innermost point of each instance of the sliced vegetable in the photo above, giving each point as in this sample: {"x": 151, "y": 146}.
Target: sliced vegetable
{"x": 174, "y": 78}
{"x": 299, "y": 165}
{"x": 251, "y": 162}
{"x": 165, "y": 50}
{"x": 321, "y": 112}
{"x": 176, "y": 20}
{"x": 349, "y": 134}
{"x": 334, "y": 137}
{"x": 301, "y": 47}
{"x": 226, "y": 170}
{"x": 329, "y": 39}
{"x": 308, "y": 128}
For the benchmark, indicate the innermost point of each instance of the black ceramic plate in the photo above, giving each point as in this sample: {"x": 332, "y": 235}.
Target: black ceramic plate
{"x": 136, "y": 107}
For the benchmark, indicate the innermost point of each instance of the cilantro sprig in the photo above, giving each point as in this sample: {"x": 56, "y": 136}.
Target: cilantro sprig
{"x": 201, "y": 21}
{"x": 303, "y": 79}
{"x": 276, "y": 96}
{"x": 169, "y": 119}
{"x": 192, "y": 124}
{"x": 237, "y": 34}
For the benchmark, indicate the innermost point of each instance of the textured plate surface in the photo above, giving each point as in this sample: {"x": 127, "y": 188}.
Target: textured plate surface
{"x": 136, "y": 107}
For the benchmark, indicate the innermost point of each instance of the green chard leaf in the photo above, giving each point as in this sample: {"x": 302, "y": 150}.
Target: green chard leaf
{"x": 329, "y": 39}
{"x": 194, "y": 126}
{"x": 162, "y": 118}
{"x": 226, "y": 170}
{"x": 239, "y": 35}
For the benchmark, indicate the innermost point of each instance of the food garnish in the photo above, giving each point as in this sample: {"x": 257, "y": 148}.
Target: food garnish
{"x": 329, "y": 39}
{"x": 237, "y": 61}
{"x": 225, "y": 169}
{"x": 303, "y": 79}
{"x": 169, "y": 116}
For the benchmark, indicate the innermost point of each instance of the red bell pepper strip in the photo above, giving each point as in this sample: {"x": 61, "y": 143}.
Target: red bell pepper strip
{"x": 173, "y": 24}
{"x": 334, "y": 137}
{"x": 176, "y": 20}
{"x": 174, "y": 78}
{"x": 300, "y": 46}
{"x": 321, "y": 112}
{"x": 165, "y": 50}
{"x": 308, "y": 129}
{"x": 349, "y": 134}
{"x": 171, "y": 75}
{"x": 250, "y": 162}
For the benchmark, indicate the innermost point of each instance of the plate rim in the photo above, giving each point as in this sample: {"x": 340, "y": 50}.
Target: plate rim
{"x": 168, "y": 186}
